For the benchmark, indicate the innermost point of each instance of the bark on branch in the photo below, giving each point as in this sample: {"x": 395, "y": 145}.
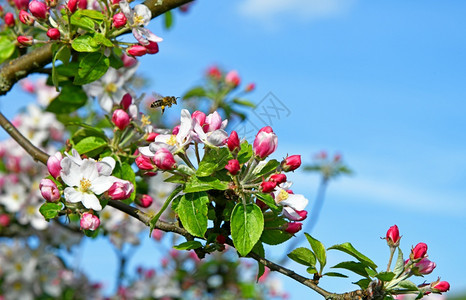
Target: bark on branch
{"x": 20, "y": 67}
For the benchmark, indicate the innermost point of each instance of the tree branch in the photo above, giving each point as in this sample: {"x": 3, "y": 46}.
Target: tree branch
{"x": 20, "y": 67}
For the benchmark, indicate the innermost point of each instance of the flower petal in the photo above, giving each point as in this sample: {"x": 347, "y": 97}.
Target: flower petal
{"x": 72, "y": 195}
{"x": 102, "y": 184}
{"x": 295, "y": 201}
{"x": 90, "y": 201}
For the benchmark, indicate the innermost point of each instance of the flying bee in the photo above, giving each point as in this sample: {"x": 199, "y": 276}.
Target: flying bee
{"x": 163, "y": 102}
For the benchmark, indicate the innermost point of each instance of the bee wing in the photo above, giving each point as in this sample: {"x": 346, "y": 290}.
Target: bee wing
{"x": 157, "y": 96}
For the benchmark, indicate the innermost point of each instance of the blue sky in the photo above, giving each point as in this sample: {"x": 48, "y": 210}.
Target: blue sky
{"x": 381, "y": 82}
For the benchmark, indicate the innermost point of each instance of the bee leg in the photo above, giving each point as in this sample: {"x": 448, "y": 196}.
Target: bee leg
{"x": 163, "y": 109}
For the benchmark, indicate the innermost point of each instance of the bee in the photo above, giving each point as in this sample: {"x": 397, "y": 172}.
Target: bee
{"x": 164, "y": 102}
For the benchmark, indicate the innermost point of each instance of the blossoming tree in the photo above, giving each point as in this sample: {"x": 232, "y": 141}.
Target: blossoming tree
{"x": 216, "y": 190}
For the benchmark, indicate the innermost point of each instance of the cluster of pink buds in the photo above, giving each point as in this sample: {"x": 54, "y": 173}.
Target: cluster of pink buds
{"x": 231, "y": 78}
{"x": 163, "y": 159}
{"x": 140, "y": 50}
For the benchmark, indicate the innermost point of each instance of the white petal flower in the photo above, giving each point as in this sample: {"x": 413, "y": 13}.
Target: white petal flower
{"x": 295, "y": 201}
{"x": 137, "y": 18}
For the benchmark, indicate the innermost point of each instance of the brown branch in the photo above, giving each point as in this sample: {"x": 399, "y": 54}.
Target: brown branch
{"x": 20, "y": 67}
{"x": 36, "y": 153}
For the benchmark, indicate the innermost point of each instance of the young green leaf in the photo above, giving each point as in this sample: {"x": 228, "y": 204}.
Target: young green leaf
{"x": 363, "y": 283}
{"x": 154, "y": 220}
{"x": 189, "y": 245}
{"x": 50, "y": 210}
{"x": 197, "y": 91}
{"x": 265, "y": 168}
{"x": 407, "y": 285}
{"x": 85, "y": 43}
{"x": 303, "y": 256}
{"x": 335, "y": 274}
{"x": 91, "y": 146}
{"x": 370, "y": 272}
{"x": 244, "y": 102}
{"x": 192, "y": 210}
{"x": 200, "y": 184}
{"x": 245, "y": 153}
{"x": 91, "y": 67}
{"x": 318, "y": 249}
{"x": 70, "y": 99}
{"x": 213, "y": 160}
{"x": 247, "y": 224}
{"x": 7, "y": 48}
{"x": 259, "y": 250}
{"x": 400, "y": 263}
{"x": 385, "y": 276}
{"x": 353, "y": 266}
{"x": 168, "y": 19}
{"x": 349, "y": 249}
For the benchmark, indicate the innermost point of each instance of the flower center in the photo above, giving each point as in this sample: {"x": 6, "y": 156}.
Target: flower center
{"x": 145, "y": 120}
{"x": 282, "y": 195}
{"x": 15, "y": 196}
{"x": 172, "y": 140}
{"x": 138, "y": 20}
{"x": 111, "y": 88}
{"x": 30, "y": 210}
{"x": 84, "y": 185}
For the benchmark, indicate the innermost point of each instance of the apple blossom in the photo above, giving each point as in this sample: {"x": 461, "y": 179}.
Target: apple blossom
{"x": 49, "y": 190}
{"x": 265, "y": 142}
{"x": 393, "y": 236}
{"x": 151, "y": 136}
{"x": 233, "y": 78}
{"x": 26, "y": 18}
{"x": 440, "y": 286}
{"x": 21, "y": 4}
{"x": 294, "y": 215}
{"x": 137, "y": 17}
{"x": 38, "y": 9}
{"x": 233, "y": 166}
{"x": 25, "y": 40}
{"x": 278, "y": 178}
{"x": 144, "y": 163}
{"x": 136, "y": 50}
{"x": 250, "y": 87}
{"x": 152, "y": 47}
{"x": 89, "y": 221}
{"x": 72, "y": 5}
{"x": 4, "y": 220}
{"x": 144, "y": 200}
{"x": 126, "y": 101}
{"x": 233, "y": 142}
{"x": 293, "y": 227}
{"x": 120, "y": 190}
{"x": 423, "y": 267}
{"x": 283, "y": 197}
{"x": 9, "y": 19}
{"x": 214, "y": 72}
{"x": 268, "y": 186}
{"x": 85, "y": 181}
{"x": 119, "y": 20}
{"x": 418, "y": 252}
{"x": 291, "y": 163}
{"x": 121, "y": 119}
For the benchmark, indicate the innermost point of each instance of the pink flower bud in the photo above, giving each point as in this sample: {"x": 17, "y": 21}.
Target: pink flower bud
{"x": 119, "y": 20}
{"x": 26, "y": 17}
{"x": 151, "y": 136}
{"x": 53, "y": 33}
{"x": 128, "y": 61}
{"x": 295, "y": 215}
{"x": 233, "y": 166}
{"x": 232, "y": 78}
{"x": 49, "y": 190}
{"x": 265, "y": 142}
{"x": 291, "y": 163}
{"x": 233, "y": 142}
{"x": 136, "y": 50}
{"x": 278, "y": 178}
{"x": 4, "y": 220}
{"x": 82, "y": 4}
{"x": 89, "y": 222}
{"x": 424, "y": 267}
{"x": 440, "y": 286}
{"x": 214, "y": 72}
{"x": 72, "y": 5}
{"x": 176, "y": 129}
{"x": 21, "y": 4}
{"x": 418, "y": 252}
{"x": 293, "y": 227}
{"x": 213, "y": 122}
{"x": 157, "y": 234}
{"x": 199, "y": 116}
{"x": 9, "y": 19}
{"x": 164, "y": 159}
{"x": 126, "y": 101}
{"x": 250, "y": 87}
{"x": 121, "y": 190}
{"x": 152, "y": 47}
{"x": 144, "y": 201}
{"x": 25, "y": 40}
{"x": 393, "y": 236}
{"x": 144, "y": 163}
{"x": 53, "y": 164}
{"x": 38, "y": 9}
{"x": 121, "y": 119}
{"x": 268, "y": 186}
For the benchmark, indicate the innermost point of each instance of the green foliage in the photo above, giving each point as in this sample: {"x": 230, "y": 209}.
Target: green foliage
{"x": 71, "y": 98}
{"x": 247, "y": 224}
{"x": 91, "y": 146}
{"x": 349, "y": 249}
{"x": 7, "y": 47}
{"x": 265, "y": 169}
{"x": 215, "y": 159}
{"x": 274, "y": 237}
{"x": 319, "y": 250}
{"x": 200, "y": 184}
{"x": 245, "y": 153}
{"x": 192, "y": 210}
{"x": 50, "y": 210}
{"x": 303, "y": 256}
{"x": 91, "y": 67}
{"x": 153, "y": 221}
{"x": 189, "y": 245}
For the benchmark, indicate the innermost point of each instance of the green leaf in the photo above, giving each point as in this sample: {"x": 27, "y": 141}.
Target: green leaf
{"x": 363, "y": 283}
{"x": 303, "y": 256}
{"x": 265, "y": 167}
{"x": 247, "y": 224}
{"x": 245, "y": 153}
{"x": 349, "y": 249}
{"x": 91, "y": 146}
{"x": 197, "y": 91}
{"x": 168, "y": 19}
{"x": 213, "y": 160}
{"x": 94, "y": 14}
{"x": 184, "y": 169}
{"x": 86, "y": 132}
{"x": 371, "y": 272}
{"x": 400, "y": 263}
{"x": 353, "y": 266}
{"x": 420, "y": 295}
{"x": 259, "y": 250}
{"x": 50, "y": 210}
{"x": 7, "y": 48}
{"x": 102, "y": 40}
{"x": 154, "y": 220}
{"x": 189, "y": 245}
{"x": 319, "y": 250}
{"x": 274, "y": 237}
{"x": 385, "y": 276}
{"x": 311, "y": 270}
{"x": 91, "y": 67}
{"x": 115, "y": 61}
{"x": 335, "y": 274}
{"x": 199, "y": 184}
{"x": 176, "y": 179}
{"x": 267, "y": 199}
{"x": 63, "y": 52}
{"x": 85, "y": 43}
{"x": 244, "y": 102}
{"x": 70, "y": 99}
{"x": 81, "y": 21}
{"x": 407, "y": 285}
{"x": 192, "y": 211}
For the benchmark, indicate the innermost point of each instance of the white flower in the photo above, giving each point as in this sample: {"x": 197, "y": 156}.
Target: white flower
{"x": 283, "y": 198}
{"x": 138, "y": 17}
{"x": 174, "y": 143}
{"x": 14, "y": 197}
{"x": 85, "y": 181}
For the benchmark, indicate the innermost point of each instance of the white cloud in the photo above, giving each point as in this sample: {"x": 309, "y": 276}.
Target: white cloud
{"x": 305, "y": 10}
